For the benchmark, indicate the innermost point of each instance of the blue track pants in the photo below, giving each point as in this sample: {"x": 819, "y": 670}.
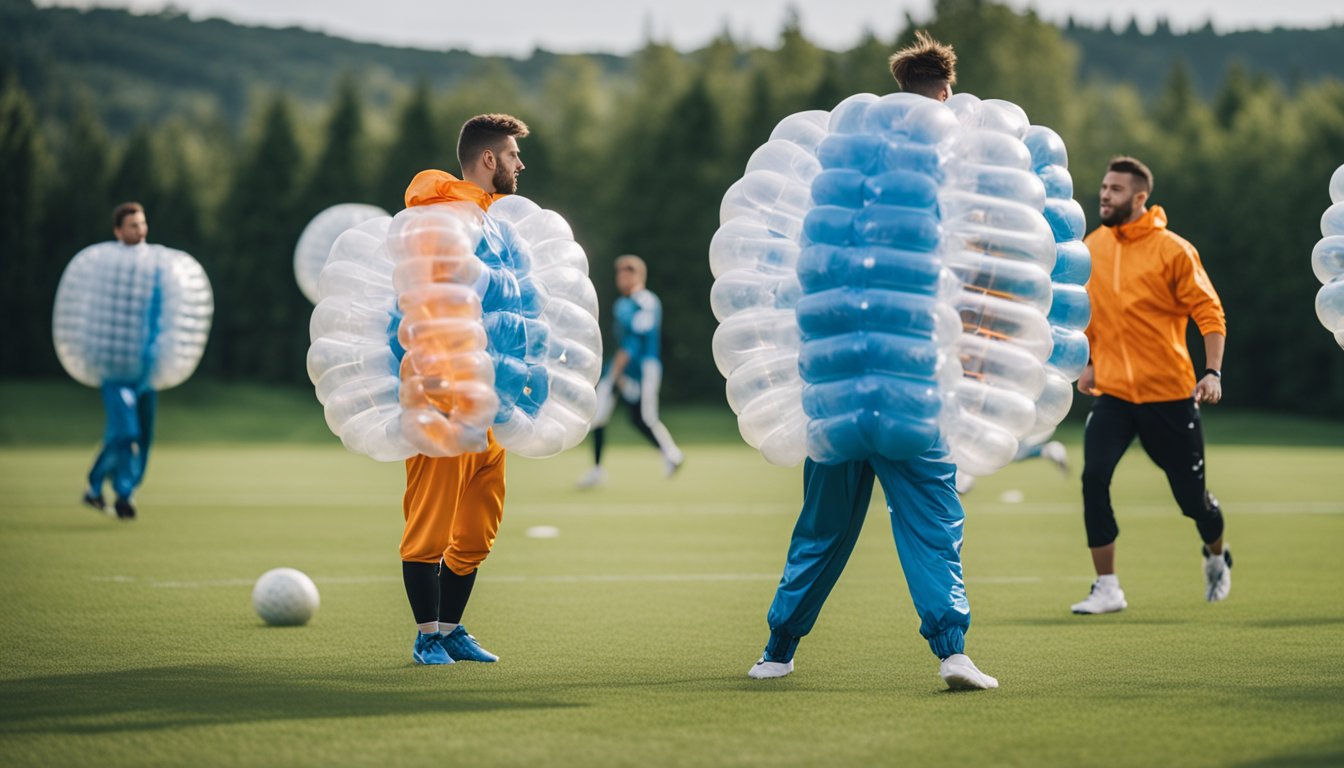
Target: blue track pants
{"x": 926, "y": 521}
{"x": 130, "y": 430}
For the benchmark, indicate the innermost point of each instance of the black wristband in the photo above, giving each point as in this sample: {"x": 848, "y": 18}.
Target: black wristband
{"x": 1217, "y": 374}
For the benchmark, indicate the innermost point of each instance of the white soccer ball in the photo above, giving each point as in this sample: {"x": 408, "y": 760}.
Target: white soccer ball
{"x": 285, "y": 597}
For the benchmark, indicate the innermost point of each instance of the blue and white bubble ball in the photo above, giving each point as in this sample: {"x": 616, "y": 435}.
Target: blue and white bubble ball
{"x": 897, "y": 269}
{"x": 132, "y": 314}
{"x": 1327, "y": 261}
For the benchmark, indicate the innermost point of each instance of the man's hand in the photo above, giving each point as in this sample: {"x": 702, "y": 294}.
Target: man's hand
{"x": 1087, "y": 382}
{"x": 1208, "y": 390}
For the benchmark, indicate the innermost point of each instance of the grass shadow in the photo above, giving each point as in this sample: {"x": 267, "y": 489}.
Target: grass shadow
{"x": 158, "y": 698}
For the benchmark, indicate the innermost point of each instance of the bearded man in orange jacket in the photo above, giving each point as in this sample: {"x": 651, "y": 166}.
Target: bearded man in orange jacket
{"x": 453, "y": 506}
{"x": 1147, "y": 284}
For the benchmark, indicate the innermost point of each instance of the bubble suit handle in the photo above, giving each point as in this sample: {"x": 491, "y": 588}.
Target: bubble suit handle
{"x": 138, "y": 315}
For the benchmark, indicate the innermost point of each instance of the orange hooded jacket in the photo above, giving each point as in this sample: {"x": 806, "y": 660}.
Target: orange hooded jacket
{"x": 453, "y": 505}
{"x": 1147, "y": 283}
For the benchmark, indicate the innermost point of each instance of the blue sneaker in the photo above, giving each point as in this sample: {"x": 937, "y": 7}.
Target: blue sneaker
{"x": 463, "y": 647}
{"x": 428, "y": 649}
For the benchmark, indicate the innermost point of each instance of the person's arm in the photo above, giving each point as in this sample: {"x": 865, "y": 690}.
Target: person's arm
{"x": 1195, "y": 290}
{"x": 1210, "y": 387}
{"x": 618, "y": 364}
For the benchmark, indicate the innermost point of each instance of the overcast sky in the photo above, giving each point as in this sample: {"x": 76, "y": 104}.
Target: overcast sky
{"x": 515, "y": 27}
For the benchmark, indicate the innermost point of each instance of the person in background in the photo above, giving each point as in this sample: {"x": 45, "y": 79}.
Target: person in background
{"x": 1147, "y": 284}
{"x": 635, "y": 374}
{"x": 131, "y": 406}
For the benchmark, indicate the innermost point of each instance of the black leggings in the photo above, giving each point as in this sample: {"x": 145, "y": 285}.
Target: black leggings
{"x": 637, "y": 419}
{"x": 1171, "y": 434}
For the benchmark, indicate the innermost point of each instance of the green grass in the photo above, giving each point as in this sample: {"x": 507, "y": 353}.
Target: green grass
{"x": 625, "y": 641}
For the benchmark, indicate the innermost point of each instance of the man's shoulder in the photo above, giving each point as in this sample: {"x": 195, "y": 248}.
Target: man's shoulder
{"x": 1173, "y": 244}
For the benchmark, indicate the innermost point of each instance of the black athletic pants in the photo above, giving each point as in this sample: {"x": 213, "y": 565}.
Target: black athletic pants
{"x": 1171, "y": 434}
{"x": 636, "y": 418}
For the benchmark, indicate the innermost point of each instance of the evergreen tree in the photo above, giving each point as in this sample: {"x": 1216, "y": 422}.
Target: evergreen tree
{"x": 339, "y": 175}
{"x": 138, "y": 177}
{"x": 416, "y": 145}
{"x": 260, "y": 315}
{"x": 26, "y": 295}
{"x": 77, "y": 203}
{"x": 672, "y": 232}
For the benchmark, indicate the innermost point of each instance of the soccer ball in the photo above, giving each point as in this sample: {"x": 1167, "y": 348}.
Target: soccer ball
{"x": 285, "y": 597}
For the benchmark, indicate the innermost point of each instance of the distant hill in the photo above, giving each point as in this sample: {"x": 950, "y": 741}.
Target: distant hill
{"x": 142, "y": 68}
{"x": 1291, "y": 56}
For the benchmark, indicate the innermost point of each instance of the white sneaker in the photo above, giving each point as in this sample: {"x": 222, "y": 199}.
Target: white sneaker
{"x": 595, "y": 477}
{"x": 965, "y": 482}
{"x": 1217, "y": 575}
{"x": 764, "y": 670}
{"x": 1055, "y": 453}
{"x": 671, "y": 466}
{"x": 1102, "y": 599}
{"x": 961, "y": 674}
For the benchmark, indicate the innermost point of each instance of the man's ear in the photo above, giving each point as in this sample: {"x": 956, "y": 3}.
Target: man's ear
{"x": 488, "y": 159}
{"x": 1140, "y": 199}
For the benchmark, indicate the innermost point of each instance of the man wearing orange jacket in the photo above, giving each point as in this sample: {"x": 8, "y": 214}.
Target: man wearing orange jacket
{"x": 1147, "y": 284}
{"x": 453, "y": 506}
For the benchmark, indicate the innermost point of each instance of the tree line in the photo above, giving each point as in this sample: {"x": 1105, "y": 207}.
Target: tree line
{"x": 638, "y": 162}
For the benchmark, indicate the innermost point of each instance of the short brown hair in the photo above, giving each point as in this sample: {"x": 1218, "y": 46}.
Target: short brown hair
{"x": 924, "y": 65}
{"x": 124, "y": 210}
{"x": 484, "y": 132}
{"x": 1134, "y": 167}
{"x": 631, "y": 261}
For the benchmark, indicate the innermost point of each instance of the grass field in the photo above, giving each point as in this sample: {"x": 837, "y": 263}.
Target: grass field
{"x": 626, "y": 639}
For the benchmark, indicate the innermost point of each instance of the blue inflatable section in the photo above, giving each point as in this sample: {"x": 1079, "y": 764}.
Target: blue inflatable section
{"x": 510, "y": 306}
{"x": 1070, "y": 309}
{"x": 869, "y": 356}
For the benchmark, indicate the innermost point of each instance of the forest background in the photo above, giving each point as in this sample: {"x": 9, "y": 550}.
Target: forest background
{"x": 233, "y": 137}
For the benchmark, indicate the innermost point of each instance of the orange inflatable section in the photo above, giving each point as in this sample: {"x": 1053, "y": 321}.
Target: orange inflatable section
{"x": 447, "y": 379}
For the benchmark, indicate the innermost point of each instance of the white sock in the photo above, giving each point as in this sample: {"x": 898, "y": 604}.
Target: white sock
{"x": 446, "y": 628}
{"x": 428, "y": 628}
{"x": 1108, "y": 580}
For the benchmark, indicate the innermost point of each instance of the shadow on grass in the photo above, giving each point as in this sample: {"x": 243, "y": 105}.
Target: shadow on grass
{"x": 1075, "y": 620}
{"x": 1290, "y": 623}
{"x": 159, "y": 698}
{"x": 1332, "y": 758}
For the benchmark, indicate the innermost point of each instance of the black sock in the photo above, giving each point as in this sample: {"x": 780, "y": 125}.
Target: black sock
{"x": 598, "y": 434}
{"x": 422, "y": 590}
{"x": 454, "y": 591}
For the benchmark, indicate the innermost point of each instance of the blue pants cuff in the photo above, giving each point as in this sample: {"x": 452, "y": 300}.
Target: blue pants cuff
{"x": 781, "y": 646}
{"x": 948, "y": 642}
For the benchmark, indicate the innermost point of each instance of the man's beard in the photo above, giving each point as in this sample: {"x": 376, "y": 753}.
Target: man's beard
{"x": 505, "y": 183}
{"x": 1119, "y": 214}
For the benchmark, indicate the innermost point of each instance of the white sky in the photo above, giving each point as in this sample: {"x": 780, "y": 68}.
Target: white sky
{"x": 515, "y": 27}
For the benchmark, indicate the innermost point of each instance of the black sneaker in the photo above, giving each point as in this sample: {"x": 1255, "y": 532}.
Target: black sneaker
{"x": 125, "y": 509}
{"x": 94, "y": 501}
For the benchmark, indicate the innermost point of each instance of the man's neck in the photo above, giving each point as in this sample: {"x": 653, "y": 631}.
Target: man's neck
{"x": 481, "y": 180}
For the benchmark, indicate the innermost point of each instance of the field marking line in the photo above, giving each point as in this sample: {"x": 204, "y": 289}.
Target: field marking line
{"x": 663, "y": 578}
{"x": 617, "y": 509}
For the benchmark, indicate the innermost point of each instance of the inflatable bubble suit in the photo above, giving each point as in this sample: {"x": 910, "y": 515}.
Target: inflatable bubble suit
{"x": 138, "y": 314}
{"x": 443, "y": 322}
{"x": 310, "y": 255}
{"x": 887, "y": 272}
{"x": 1327, "y": 260}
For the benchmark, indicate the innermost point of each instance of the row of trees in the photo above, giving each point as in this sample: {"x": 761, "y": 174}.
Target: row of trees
{"x": 638, "y": 164}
